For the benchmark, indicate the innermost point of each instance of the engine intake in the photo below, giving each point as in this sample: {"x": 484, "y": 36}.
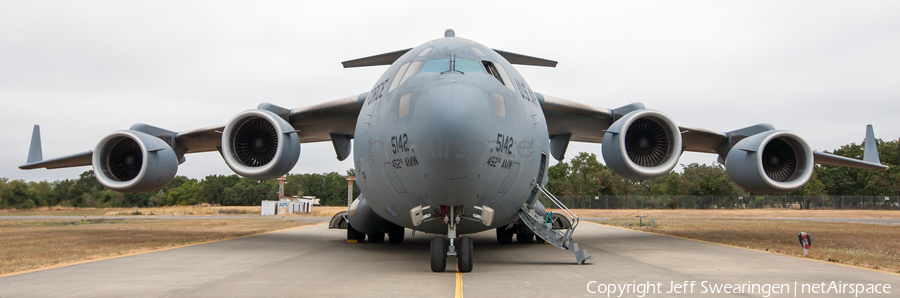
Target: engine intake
{"x": 258, "y": 144}
{"x": 775, "y": 161}
{"x": 135, "y": 162}
{"x": 645, "y": 144}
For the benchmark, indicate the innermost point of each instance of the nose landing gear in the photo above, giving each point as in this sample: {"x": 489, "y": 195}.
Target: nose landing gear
{"x": 461, "y": 248}
{"x": 440, "y": 251}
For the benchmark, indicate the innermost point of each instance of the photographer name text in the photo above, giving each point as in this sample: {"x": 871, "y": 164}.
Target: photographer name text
{"x": 636, "y": 289}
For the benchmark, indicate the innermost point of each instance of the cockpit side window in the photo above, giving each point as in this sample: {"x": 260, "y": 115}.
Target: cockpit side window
{"x": 467, "y": 66}
{"x": 505, "y": 77}
{"x": 396, "y": 81}
{"x": 413, "y": 67}
{"x": 436, "y": 65}
{"x": 492, "y": 70}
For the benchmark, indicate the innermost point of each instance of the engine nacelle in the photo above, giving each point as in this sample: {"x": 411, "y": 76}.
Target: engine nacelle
{"x": 643, "y": 145}
{"x": 775, "y": 161}
{"x": 258, "y": 144}
{"x": 134, "y": 162}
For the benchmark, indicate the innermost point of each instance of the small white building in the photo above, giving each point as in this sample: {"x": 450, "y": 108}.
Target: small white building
{"x": 286, "y": 206}
{"x": 313, "y": 198}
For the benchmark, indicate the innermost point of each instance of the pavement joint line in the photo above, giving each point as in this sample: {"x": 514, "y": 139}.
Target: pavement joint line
{"x": 750, "y": 249}
{"x": 145, "y": 252}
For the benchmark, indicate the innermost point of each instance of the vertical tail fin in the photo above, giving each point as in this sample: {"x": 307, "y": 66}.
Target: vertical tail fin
{"x": 35, "y": 153}
{"x": 871, "y": 151}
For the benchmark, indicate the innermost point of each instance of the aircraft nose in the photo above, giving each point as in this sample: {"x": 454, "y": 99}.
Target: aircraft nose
{"x": 451, "y": 121}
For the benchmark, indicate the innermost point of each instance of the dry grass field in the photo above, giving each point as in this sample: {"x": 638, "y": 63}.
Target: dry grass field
{"x": 865, "y": 245}
{"x": 738, "y": 213}
{"x": 200, "y": 210}
{"x": 30, "y": 244}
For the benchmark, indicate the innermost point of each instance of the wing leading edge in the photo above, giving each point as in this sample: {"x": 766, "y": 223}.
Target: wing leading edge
{"x": 316, "y": 123}
{"x": 572, "y": 121}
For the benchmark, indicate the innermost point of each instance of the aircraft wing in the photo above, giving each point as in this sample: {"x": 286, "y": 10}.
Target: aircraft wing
{"x": 588, "y": 124}
{"x": 573, "y": 121}
{"x": 335, "y": 119}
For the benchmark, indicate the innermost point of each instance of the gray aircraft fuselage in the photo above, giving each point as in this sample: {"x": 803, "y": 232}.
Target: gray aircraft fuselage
{"x": 431, "y": 136}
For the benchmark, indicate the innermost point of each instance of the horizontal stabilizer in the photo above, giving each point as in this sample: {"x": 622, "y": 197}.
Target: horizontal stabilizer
{"x": 525, "y": 60}
{"x": 380, "y": 59}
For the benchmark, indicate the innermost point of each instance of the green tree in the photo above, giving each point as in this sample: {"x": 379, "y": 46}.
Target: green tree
{"x": 188, "y": 193}
{"x": 558, "y": 179}
{"x": 709, "y": 180}
{"x": 18, "y": 194}
{"x": 3, "y": 202}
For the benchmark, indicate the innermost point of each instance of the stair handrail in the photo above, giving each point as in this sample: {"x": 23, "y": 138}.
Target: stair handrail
{"x": 569, "y": 213}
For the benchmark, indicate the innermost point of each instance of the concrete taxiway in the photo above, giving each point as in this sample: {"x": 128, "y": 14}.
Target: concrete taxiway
{"x": 317, "y": 262}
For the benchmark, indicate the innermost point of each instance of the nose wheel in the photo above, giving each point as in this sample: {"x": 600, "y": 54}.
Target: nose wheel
{"x": 440, "y": 250}
{"x": 461, "y": 248}
{"x": 464, "y": 258}
{"x": 438, "y": 254}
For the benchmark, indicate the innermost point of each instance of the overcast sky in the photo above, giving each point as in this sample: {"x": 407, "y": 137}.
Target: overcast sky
{"x": 83, "y": 69}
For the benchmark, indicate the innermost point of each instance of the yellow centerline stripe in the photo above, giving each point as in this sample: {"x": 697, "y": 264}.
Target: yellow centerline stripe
{"x": 459, "y": 287}
{"x": 145, "y": 252}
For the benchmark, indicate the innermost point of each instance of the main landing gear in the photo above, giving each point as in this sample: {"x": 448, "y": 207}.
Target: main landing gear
{"x": 461, "y": 247}
{"x": 523, "y": 234}
{"x": 394, "y": 232}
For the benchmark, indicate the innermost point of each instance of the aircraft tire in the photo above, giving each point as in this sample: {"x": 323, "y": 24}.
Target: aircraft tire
{"x": 525, "y": 238}
{"x": 353, "y": 234}
{"x": 438, "y": 254}
{"x": 524, "y": 235}
{"x": 504, "y": 236}
{"x": 396, "y": 234}
{"x": 465, "y": 254}
{"x": 376, "y": 237}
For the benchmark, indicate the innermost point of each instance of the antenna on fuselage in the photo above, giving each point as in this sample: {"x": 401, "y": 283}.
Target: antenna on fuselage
{"x": 449, "y": 33}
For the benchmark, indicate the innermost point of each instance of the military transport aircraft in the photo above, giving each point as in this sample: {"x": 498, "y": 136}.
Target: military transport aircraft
{"x": 451, "y": 140}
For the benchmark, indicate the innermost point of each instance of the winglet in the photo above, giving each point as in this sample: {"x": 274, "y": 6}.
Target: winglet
{"x": 871, "y": 152}
{"x": 35, "y": 153}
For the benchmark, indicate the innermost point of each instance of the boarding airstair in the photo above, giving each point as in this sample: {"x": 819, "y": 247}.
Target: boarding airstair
{"x": 543, "y": 226}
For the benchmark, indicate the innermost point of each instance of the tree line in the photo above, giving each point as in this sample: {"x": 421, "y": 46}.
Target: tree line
{"x": 583, "y": 175}
{"x": 231, "y": 190}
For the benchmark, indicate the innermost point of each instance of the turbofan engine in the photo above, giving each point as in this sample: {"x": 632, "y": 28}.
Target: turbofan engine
{"x": 643, "y": 145}
{"x": 134, "y": 162}
{"x": 775, "y": 161}
{"x": 258, "y": 144}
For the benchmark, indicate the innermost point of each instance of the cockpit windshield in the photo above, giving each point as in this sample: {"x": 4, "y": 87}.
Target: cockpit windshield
{"x": 468, "y": 66}
{"x": 437, "y": 65}
{"x": 457, "y": 64}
